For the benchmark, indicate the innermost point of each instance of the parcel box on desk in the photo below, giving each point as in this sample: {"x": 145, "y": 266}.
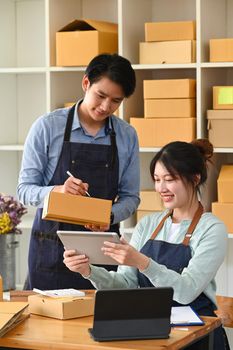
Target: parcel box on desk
{"x": 170, "y": 108}
{"x": 76, "y": 209}
{"x": 224, "y": 212}
{"x": 150, "y": 200}
{"x": 157, "y": 132}
{"x": 169, "y": 88}
{"x": 62, "y": 308}
{"x": 221, "y": 50}
{"x": 79, "y": 41}
{"x": 225, "y": 184}
{"x": 222, "y": 97}
{"x": 165, "y": 31}
{"x": 183, "y": 51}
{"x": 220, "y": 127}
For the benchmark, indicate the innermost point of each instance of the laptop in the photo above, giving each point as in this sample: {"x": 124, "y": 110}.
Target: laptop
{"x": 142, "y": 313}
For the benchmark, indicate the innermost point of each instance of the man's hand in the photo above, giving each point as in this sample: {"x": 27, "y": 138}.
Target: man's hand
{"x": 97, "y": 228}
{"x": 73, "y": 186}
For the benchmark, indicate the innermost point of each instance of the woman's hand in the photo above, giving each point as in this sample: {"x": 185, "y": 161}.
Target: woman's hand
{"x": 125, "y": 254}
{"x": 73, "y": 186}
{"x": 77, "y": 263}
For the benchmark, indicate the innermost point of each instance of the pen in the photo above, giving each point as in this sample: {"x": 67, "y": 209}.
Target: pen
{"x": 69, "y": 173}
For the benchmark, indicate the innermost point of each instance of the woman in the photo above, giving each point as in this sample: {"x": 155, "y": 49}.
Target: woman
{"x": 182, "y": 247}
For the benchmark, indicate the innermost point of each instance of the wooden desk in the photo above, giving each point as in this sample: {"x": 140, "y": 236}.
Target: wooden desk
{"x": 43, "y": 333}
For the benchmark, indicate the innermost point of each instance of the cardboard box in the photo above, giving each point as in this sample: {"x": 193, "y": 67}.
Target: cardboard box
{"x": 222, "y": 97}
{"x": 170, "y": 108}
{"x": 165, "y": 31}
{"x": 74, "y": 209}
{"x": 62, "y": 308}
{"x": 79, "y": 41}
{"x": 221, "y": 50}
{"x": 157, "y": 132}
{"x": 224, "y": 212}
{"x": 169, "y": 88}
{"x": 183, "y": 51}
{"x": 141, "y": 213}
{"x": 220, "y": 127}
{"x": 225, "y": 184}
{"x": 11, "y": 315}
{"x": 150, "y": 201}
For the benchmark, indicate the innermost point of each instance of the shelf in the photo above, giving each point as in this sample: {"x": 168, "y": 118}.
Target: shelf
{"x": 217, "y": 65}
{"x": 67, "y": 69}
{"x": 149, "y": 149}
{"x": 164, "y": 66}
{"x": 23, "y": 70}
{"x": 223, "y": 150}
{"x": 11, "y": 148}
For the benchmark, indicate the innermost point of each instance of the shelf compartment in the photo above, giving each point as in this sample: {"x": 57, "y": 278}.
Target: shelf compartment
{"x": 23, "y": 33}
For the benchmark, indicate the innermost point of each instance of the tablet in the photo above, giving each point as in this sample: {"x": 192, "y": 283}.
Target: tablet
{"x": 90, "y": 244}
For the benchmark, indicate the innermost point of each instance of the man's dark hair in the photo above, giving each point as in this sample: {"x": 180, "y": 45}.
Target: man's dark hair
{"x": 116, "y": 68}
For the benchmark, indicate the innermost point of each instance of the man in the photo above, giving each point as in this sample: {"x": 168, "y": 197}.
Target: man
{"x": 97, "y": 148}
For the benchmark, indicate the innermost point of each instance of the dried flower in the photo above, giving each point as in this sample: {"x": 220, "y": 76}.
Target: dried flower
{"x": 11, "y": 212}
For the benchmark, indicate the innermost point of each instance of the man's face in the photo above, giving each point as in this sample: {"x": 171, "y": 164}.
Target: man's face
{"x": 101, "y": 98}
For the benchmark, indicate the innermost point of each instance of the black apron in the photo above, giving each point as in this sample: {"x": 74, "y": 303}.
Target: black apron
{"x": 176, "y": 257}
{"x": 98, "y": 165}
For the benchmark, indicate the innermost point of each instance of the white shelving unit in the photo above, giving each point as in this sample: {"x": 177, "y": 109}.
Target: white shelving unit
{"x": 31, "y": 84}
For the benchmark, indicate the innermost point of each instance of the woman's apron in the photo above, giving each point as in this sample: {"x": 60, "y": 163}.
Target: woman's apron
{"x": 98, "y": 165}
{"x": 176, "y": 257}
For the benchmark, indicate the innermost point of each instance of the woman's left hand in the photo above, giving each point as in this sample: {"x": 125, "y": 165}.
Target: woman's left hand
{"x": 125, "y": 254}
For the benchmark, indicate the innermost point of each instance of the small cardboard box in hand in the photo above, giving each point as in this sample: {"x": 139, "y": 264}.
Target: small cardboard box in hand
{"x": 76, "y": 209}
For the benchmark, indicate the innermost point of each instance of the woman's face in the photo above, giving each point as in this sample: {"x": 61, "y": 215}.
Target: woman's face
{"x": 174, "y": 192}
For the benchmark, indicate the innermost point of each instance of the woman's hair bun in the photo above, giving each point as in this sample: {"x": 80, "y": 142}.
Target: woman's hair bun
{"x": 205, "y": 147}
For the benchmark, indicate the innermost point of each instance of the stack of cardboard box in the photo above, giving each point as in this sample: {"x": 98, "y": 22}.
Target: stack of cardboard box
{"x": 169, "y": 110}
{"x": 150, "y": 202}
{"x": 220, "y": 119}
{"x": 223, "y": 209}
{"x": 168, "y": 42}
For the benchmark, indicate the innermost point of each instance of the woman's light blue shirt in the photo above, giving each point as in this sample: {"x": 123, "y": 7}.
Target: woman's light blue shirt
{"x": 208, "y": 248}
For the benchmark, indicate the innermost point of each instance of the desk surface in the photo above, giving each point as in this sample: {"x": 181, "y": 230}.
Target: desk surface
{"x": 42, "y": 333}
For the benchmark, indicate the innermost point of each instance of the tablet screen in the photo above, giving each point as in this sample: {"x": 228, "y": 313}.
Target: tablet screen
{"x": 90, "y": 244}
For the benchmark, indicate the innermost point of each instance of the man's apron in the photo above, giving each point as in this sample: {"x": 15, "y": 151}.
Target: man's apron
{"x": 176, "y": 257}
{"x": 98, "y": 165}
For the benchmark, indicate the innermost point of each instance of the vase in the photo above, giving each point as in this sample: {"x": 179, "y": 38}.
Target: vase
{"x": 8, "y": 244}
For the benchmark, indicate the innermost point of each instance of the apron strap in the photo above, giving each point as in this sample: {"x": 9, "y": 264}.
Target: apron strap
{"x": 193, "y": 224}
{"x": 113, "y": 144}
{"x": 191, "y": 228}
{"x": 160, "y": 225}
{"x": 69, "y": 124}
{"x": 112, "y": 134}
